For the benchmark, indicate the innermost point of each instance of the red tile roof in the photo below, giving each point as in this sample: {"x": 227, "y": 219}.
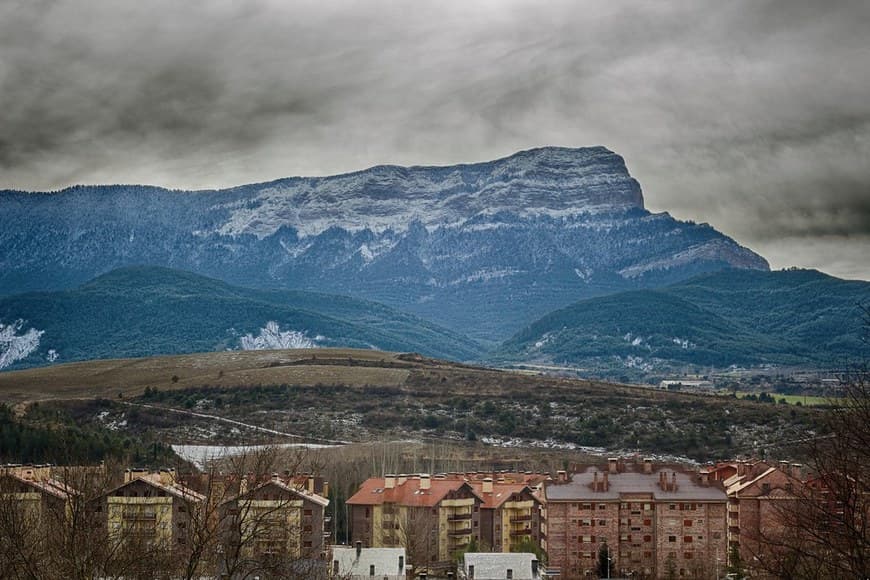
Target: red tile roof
{"x": 373, "y": 492}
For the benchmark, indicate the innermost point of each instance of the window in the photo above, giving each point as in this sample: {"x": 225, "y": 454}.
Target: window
{"x": 687, "y": 555}
{"x": 306, "y": 512}
{"x": 647, "y": 507}
{"x": 372, "y": 570}
{"x": 182, "y": 509}
{"x": 510, "y": 574}
{"x": 602, "y": 522}
{"x": 335, "y": 566}
{"x": 623, "y": 506}
{"x": 647, "y": 522}
{"x": 647, "y": 538}
{"x": 368, "y": 512}
{"x": 602, "y": 506}
{"x": 687, "y": 539}
{"x": 471, "y": 571}
{"x": 672, "y": 538}
{"x": 586, "y": 522}
{"x": 765, "y": 487}
{"x": 672, "y": 506}
{"x": 687, "y": 523}
{"x": 717, "y": 535}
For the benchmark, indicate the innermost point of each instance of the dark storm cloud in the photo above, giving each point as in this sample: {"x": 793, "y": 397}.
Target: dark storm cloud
{"x": 751, "y": 115}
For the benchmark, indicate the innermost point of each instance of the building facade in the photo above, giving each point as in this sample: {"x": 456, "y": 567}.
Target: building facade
{"x": 650, "y": 521}
{"x": 433, "y": 518}
{"x": 278, "y": 519}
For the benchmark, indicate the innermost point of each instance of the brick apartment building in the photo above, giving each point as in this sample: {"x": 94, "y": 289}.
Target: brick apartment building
{"x": 761, "y": 508}
{"x": 655, "y": 521}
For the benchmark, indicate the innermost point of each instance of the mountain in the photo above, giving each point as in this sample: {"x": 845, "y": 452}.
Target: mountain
{"x": 482, "y": 248}
{"x": 142, "y": 311}
{"x": 732, "y": 317}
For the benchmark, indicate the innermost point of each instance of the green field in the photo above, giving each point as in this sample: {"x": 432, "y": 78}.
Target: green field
{"x": 805, "y": 400}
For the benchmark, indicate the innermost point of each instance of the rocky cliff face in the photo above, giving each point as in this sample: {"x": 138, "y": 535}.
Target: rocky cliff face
{"x": 483, "y": 248}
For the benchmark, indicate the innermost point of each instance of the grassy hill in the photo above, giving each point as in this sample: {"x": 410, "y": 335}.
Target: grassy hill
{"x": 732, "y": 317}
{"x": 361, "y": 395}
{"x": 148, "y": 310}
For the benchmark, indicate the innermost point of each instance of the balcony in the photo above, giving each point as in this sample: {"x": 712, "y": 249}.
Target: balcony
{"x": 137, "y": 515}
{"x": 524, "y": 518}
{"x": 460, "y": 532}
{"x": 458, "y": 517}
{"x": 523, "y": 532}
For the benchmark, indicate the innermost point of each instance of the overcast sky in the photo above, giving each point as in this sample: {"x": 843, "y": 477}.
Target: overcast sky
{"x": 751, "y": 115}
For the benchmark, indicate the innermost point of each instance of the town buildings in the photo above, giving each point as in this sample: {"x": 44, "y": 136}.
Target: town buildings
{"x": 432, "y": 517}
{"x": 765, "y": 501}
{"x": 149, "y": 509}
{"x": 651, "y": 521}
{"x": 281, "y": 518}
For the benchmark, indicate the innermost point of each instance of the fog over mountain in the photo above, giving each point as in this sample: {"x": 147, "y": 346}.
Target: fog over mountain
{"x": 751, "y": 115}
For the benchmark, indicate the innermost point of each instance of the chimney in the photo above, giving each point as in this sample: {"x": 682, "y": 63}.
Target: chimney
{"x": 402, "y": 479}
{"x": 167, "y": 476}
{"x": 741, "y": 468}
{"x": 243, "y": 485}
{"x": 358, "y": 549}
{"x": 311, "y": 482}
{"x": 389, "y": 481}
{"x": 796, "y": 471}
{"x": 605, "y": 485}
{"x": 325, "y": 489}
{"x": 487, "y": 485}
{"x": 274, "y": 477}
{"x": 425, "y": 482}
{"x": 704, "y": 477}
{"x": 128, "y": 476}
{"x": 647, "y": 465}
{"x": 561, "y": 476}
{"x": 613, "y": 464}
{"x": 595, "y": 482}
{"x": 785, "y": 467}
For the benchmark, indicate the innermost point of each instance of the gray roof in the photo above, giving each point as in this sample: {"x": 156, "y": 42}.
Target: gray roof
{"x": 580, "y": 487}
{"x": 385, "y": 561}
{"x": 494, "y": 566}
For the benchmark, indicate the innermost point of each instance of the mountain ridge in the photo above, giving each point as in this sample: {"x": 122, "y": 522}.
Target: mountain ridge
{"x": 732, "y": 317}
{"x": 480, "y": 248}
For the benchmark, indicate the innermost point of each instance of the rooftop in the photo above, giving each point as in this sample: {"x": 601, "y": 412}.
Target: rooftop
{"x": 632, "y": 482}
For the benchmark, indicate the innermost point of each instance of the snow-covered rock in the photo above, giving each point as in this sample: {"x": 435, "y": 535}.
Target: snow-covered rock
{"x": 271, "y": 337}
{"x": 15, "y": 344}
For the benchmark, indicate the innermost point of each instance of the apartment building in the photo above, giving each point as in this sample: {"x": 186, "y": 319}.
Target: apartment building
{"x": 509, "y": 516}
{"x": 762, "y": 506}
{"x": 35, "y": 491}
{"x": 653, "y": 521}
{"x": 278, "y": 518}
{"x": 432, "y": 517}
{"x": 149, "y": 508}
